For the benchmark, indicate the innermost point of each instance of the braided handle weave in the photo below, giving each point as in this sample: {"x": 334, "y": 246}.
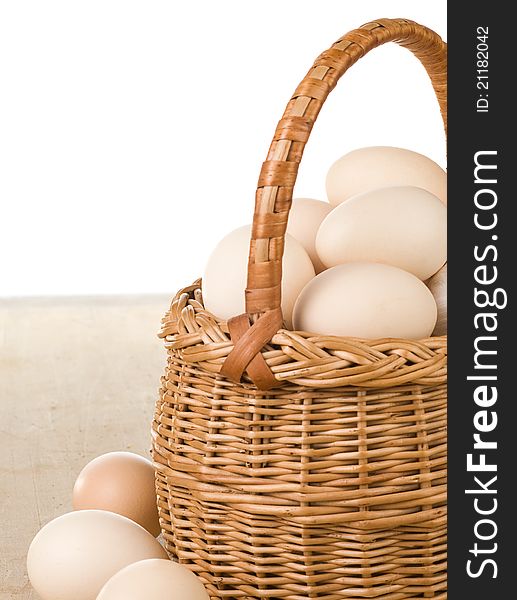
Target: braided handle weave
{"x": 251, "y": 331}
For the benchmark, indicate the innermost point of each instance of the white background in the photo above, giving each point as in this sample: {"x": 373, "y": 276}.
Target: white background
{"x": 132, "y": 132}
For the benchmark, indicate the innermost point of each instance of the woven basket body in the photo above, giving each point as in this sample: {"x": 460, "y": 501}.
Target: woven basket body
{"x": 292, "y": 465}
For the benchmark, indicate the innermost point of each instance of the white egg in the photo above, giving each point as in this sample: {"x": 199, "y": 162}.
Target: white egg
{"x": 402, "y": 226}
{"x": 366, "y": 300}
{"x": 73, "y": 556}
{"x": 382, "y": 166}
{"x": 438, "y": 286}
{"x": 225, "y": 276}
{"x": 305, "y": 218}
{"x": 154, "y": 579}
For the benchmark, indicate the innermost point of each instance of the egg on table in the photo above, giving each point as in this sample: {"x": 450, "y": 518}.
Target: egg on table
{"x": 366, "y": 300}
{"x": 225, "y": 275}
{"x": 121, "y": 482}
{"x": 154, "y": 579}
{"x": 305, "y": 217}
{"x": 73, "y": 556}
{"x": 374, "y": 167}
{"x": 403, "y": 226}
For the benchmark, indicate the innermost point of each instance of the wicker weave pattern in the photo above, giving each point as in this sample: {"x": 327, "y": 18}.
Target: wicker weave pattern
{"x": 331, "y": 485}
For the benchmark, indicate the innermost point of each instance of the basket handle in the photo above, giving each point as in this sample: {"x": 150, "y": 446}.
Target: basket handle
{"x": 251, "y": 331}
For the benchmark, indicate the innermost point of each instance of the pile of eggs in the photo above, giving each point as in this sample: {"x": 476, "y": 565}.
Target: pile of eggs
{"x": 369, "y": 263}
{"x": 106, "y": 549}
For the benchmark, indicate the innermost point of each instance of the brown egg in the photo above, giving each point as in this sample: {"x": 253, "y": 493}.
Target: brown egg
{"x": 121, "y": 482}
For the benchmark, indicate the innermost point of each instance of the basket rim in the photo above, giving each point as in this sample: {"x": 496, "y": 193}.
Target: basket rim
{"x": 305, "y": 359}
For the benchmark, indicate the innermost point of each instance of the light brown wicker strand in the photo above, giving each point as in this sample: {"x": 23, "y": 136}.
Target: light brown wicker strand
{"x": 424, "y": 447}
{"x": 305, "y": 472}
{"x": 363, "y": 464}
{"x": 331, "y": 485}
{"x": 278, "y": 176}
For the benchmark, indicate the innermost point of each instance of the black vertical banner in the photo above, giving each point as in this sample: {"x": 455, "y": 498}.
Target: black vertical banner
{"x": 482, "y": 268}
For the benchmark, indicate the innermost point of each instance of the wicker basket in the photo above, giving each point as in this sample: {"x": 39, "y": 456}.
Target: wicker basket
{"x": 293, "y": 465}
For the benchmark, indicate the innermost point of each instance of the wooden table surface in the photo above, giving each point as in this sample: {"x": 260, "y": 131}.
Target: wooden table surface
{"x": 78, "y": 377}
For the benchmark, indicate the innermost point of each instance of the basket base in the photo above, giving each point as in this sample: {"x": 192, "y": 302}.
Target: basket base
{"x": 241, "y": 557}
